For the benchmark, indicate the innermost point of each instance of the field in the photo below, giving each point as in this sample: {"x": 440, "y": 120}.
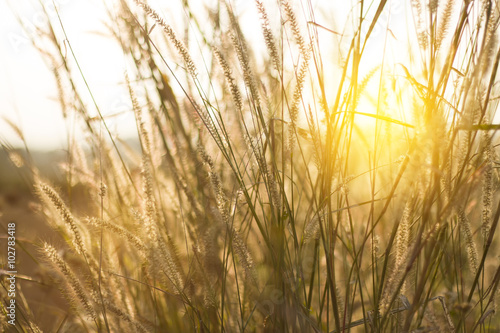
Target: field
{"x": 290, "y": 173}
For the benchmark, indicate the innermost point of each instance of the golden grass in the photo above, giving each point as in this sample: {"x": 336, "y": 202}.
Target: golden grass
{"x": 260, "y": 201}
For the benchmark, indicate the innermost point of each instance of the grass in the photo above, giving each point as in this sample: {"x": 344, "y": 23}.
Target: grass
{"x": 267, "y": 195}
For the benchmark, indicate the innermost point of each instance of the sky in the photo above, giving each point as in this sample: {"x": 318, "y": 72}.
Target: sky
{"x": 27, "y": 87}
{"x": 28, "y": 94}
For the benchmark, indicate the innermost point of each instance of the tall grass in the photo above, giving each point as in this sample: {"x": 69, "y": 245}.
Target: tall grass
{"x": 262, "y": 199}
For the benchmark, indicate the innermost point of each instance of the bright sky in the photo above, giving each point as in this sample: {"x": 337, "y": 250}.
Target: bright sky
{"x": 27, "y": 88}
{"x": 28, "y": 95}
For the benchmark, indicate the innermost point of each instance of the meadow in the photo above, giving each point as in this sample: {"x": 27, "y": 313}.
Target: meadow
{"x": 292, "y": 174}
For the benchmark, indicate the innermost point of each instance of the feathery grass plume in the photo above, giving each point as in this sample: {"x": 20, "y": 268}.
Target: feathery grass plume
{"x": 239, "y": 246}
{"x": 228, "y": 75}
{"x": 296, "y": 98}
{"x": 364, "y": 83}
{"x": 161, "y": 260}
{"x": 403, "y": 241}
{"x": 421, "y": 33}
{"x": 66, "y": 216}
{"x": 122, "y": 316}
{"x": 470, "y": 115}
{"x": 341, "y": 306}
{"x": 210, "y": 125}
{"x": 270, "y": 180}
{"x": 487, "y": 190}
{"x": 15, "y": 158}
{"x": 300, "y": 74}
{"x": 292, "y": 18}
{"x": 220, "y": 196}
{"x": 312, "y": 230}
{"x": 147, "y": 179}
{"x": 275, "y": 192}
{"x": 160, "y": 254}
{"x": 403, "y": 235}
{"x": 171, "y": 253}
{"x": 51, "y": 254}
{"x": 120, "y": 231}
{"x": 210, "y": 250}
{"x": 208, "y": 274}
{"x": 375, "y": 246}
{"x": 103, "y": 189}
{"x": 316, "y": 139}
{"x": 60, "y": 90}
{"x": 178, "y": 44}
{"x": 15, "y": 128}
{"x": 143, "y": 133}
{"x": 245, "y": 257}
{"x": 33, "y": 327}
{"x": 390, "y": 289}
{"x": 392, "y": 282}
{"x": 268, "y": 36}
{"x": 149, "y": 218}
{"x": 444, "y": 23}
{"x": 487, "y": 53}
{"x": 242, "y": 53}
{"x": 446, "y": 181}
{"x": 78, "y": 168}
{"x": 182, "y": 184}
{"x": 344, "y": 186}
{"x": 465, "y": 228}
{"x": 116, "y": 176}
{"x": 433, "y": 6}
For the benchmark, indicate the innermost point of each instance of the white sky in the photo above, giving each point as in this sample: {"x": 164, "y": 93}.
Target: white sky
{"x": 28, "y": 95}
